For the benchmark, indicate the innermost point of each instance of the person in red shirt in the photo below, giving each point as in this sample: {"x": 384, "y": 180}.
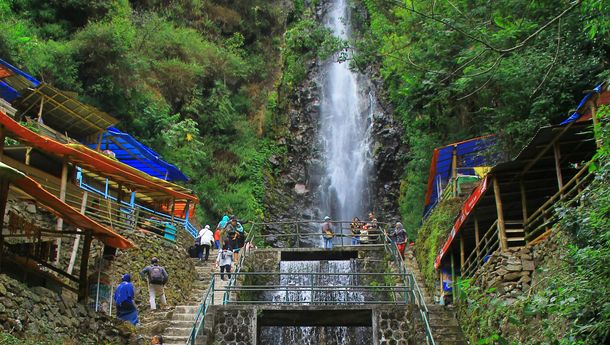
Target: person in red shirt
{"x": 217, "y": 238}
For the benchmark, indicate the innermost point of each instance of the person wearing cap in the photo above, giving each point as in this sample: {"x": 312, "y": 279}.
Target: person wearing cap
{"x": 156, "y": 276}
{"x": 123, "y": 298}
{"x": 328, "y": 233}
{"x": 206, "y": 239}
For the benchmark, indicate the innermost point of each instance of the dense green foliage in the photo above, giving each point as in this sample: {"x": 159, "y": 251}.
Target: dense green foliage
{"x": 459, "y": 69}
{"x": 568, "y": 303}
{"x": 191, "y": 79}
{"x": 432, "y": 235}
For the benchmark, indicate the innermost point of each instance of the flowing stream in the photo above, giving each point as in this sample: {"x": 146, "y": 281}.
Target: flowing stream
{"x": 346, "y": 112}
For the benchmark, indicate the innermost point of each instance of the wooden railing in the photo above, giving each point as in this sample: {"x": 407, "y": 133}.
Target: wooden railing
{"x": 118, "y": 215}
{"x": 487, "y": 244}
{"x": 545, "y": 216}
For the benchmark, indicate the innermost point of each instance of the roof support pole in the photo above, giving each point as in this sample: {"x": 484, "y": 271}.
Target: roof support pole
{"x": 454, "y": 171}
{"x": 462, "y": 256}
{"x": 83, "y": 207}
{"x": 440, "y": 282}
{"x": 28, "y": 155}
{"x": 4, "y": 186}
{"x": 99, "y": 141}
{"x": 477, "y": 237}
{"x": 187, "y": 210}
{"x": 523, "y": 203}
{"x": 173, "y": 210}
{"x": 593, "y": 107}
{"x": 557, "y": 155}
{"x": 501, "y": 227}
{"x": 453, "y": 285}
{"x": 84, "y": 262}
{"x": 2, "y": 137}
{"x": 62, "y": 196}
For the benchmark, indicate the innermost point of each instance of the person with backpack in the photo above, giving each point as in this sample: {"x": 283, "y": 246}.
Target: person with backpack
{"x": 328, "y": 233}
{"x": 157, "y": 277}
{"x": 206, "y": 238}
{"x": 230, "y": 233}
{"x": 123, "y": 298}
{"x": 224, "y": 261}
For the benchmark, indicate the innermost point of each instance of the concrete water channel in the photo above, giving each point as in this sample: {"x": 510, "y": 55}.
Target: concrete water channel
{"x": 351, "y": 295}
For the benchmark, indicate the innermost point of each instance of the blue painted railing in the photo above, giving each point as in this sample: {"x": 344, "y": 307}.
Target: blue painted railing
{"x": 134, "y": 209}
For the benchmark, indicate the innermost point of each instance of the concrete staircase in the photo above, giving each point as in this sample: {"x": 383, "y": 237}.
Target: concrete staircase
{"x": 183, "y": 316}
{"x": 444, "y": 325}
{"x": 412, "y": 266}
{"x": 443, "y": 322}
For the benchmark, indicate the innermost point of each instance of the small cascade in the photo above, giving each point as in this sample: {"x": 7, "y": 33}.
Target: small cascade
{"x": 316, "y": 335}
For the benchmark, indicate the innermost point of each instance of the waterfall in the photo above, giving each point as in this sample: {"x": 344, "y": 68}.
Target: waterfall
{"x": 346, "y": 111}
{"x": 316, "y": 335}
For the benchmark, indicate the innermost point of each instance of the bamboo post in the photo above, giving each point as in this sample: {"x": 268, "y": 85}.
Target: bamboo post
{"x": 454, "y": 171}
{"x": 557, "y": 155}
{"x": 500, "y": 212}
{"x": 83, "y": 207}
{"x": 453, "y": 285}
{"x": 2, "y": 138}
{"x": 523, "y": 203}
{"x": 440, "y": 280}
{"x": 62, "y": 196}
{"x": 462, "y": 258}
{"x": 173, "y": 210}
{"x": 4, "y": 187}
{"x": 593, "y": 107}
{"x": 477, "y": 237}
{"x": 99, "y": 141}
{"x": 28, "y": 152}
{"x": 84, "y": 262}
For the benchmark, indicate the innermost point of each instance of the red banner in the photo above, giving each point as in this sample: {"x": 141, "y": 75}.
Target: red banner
{"x": 464, "y": 213}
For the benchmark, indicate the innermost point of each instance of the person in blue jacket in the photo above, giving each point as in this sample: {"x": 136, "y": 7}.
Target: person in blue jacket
{"x": 123, "y": 298}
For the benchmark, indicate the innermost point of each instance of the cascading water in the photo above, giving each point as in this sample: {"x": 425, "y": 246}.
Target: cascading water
{"x": 331, "y": 277}
{"x": 345, "y": 129}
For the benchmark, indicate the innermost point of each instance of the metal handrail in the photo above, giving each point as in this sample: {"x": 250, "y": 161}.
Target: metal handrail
{"x": 206, "y": 301}
{"x": 415, "y": 290}
{"x": 410, "y": 289}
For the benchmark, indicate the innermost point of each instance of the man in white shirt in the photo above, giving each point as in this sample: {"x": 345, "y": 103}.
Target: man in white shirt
{"x": 206, "y": 238}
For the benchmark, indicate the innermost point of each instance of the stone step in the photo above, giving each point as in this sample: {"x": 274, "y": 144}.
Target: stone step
{"x": 177, "y": 331}
{"x": 184, "y": 317}
{"x": 442, "y": 320}
{"x": 515, "y": 239}
{"x": 186, "y": 309}
{"x": 182, "y": 323}
{"x": 177, "y": 339}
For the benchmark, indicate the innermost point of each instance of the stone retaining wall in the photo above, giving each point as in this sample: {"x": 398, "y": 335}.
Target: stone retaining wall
{"x": 510, "y": 272}
{"x": 41, "y": 313}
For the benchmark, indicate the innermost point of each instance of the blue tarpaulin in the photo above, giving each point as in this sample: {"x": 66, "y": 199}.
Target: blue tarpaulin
{"x": 577, "y": 114}
{"x": 470, "y": 154}
{"x": 137, "y": 155}
{"x": 12, "y": 86}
